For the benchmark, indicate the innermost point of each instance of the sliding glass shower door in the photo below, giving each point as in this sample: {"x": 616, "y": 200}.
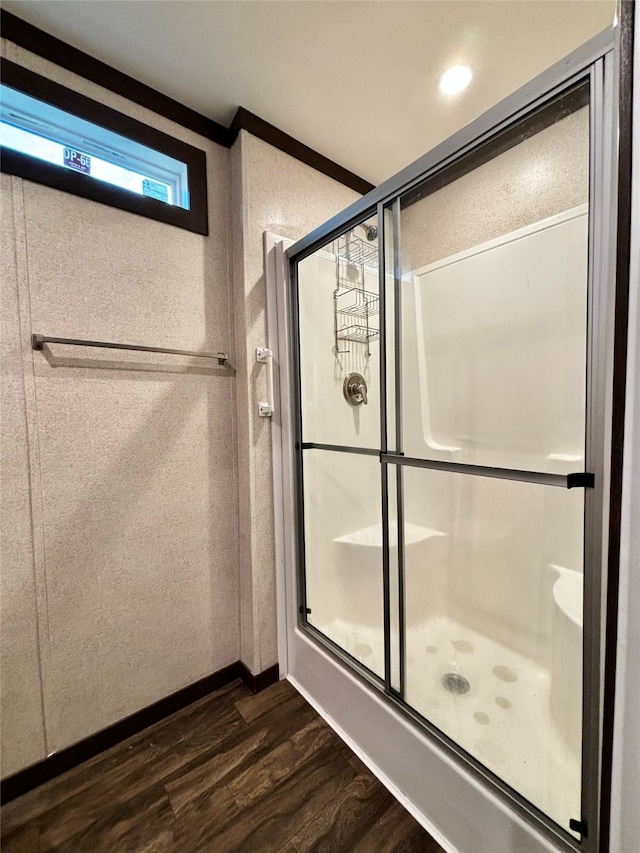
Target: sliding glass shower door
{"x": 449, "y": 369}
{"x": 339, "y": 334}
{"x": 492, "y": 288}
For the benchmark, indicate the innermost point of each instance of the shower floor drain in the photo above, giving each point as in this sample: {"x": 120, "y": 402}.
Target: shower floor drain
{"x": 455, "y": 683}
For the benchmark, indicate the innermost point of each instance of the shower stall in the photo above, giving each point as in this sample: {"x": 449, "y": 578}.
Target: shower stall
{"x": 450, "y": 358}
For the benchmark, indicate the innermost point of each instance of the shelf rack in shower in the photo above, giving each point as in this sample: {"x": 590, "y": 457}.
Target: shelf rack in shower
{"x": 354, "y": 306}
{"x": 356, "y": 251}
{"x": 358, "y": 334}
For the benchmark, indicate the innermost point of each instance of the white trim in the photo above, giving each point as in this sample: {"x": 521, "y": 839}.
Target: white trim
{"x": 375, "y": 769}
{"x": 281, "y": 435}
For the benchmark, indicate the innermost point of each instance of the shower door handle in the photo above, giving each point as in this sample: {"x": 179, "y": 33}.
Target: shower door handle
{"x": 265, "y": 356}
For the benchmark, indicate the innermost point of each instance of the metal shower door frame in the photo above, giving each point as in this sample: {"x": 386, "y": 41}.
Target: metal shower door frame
{"x": 597, "y": 63}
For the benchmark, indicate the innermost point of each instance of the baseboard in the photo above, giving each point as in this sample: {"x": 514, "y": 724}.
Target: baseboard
{"x": 263, "y": 679}
{"x": 59, "y": 762}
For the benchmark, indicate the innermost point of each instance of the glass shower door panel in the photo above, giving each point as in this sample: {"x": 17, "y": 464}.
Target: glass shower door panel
{"x": 343, "y": 552}
{"x": 494, "y": 303}
{"x": 493, "y": 615}
{"x": 339, "y": 327}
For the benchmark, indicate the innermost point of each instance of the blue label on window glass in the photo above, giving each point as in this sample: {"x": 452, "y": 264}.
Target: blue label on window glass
{"x": 155, "y": 190}
{"x": 77, "y": 160}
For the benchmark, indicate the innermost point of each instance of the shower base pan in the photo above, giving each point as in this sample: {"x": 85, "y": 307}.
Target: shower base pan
{"x": 503, "y": 719}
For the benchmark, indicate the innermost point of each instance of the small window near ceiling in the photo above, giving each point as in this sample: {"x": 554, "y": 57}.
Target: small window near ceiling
{"x": 54, "y": 136}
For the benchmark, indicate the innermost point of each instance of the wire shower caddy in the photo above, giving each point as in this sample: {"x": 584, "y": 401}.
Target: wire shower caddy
{"x": 353, "y": 305}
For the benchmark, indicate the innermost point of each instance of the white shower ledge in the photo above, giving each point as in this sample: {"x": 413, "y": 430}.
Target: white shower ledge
{"x": 371, "y": 537}
{"x": 568, "y": 592}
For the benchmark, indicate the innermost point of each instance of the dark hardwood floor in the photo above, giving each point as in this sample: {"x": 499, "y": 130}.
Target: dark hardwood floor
{"x": 232, "y": 772}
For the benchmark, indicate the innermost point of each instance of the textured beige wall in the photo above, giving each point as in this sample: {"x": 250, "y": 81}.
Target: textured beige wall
{"x": 272, "y": 192}
{"x": 133, "y": 587}
{"x": 130, "y": 571}
{"x": 21, "y": 695}
{"x": 544, "y": 175}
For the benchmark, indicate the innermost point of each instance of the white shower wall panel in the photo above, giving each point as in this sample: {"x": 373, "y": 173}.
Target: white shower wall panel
{"x": 343, "y": 564}
{"x": 328, "y": 418}
{"x": 493, "y": 339}
{"x": 500, "y": 350}
{"x": 493, "y": 568}
{"x": 342, "y": 490}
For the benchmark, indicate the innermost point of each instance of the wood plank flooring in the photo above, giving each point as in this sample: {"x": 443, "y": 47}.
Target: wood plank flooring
{"x": 232, "y": 772}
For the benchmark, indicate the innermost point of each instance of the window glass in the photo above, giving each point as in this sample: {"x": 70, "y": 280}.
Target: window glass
{"x": 41, "y": 130}
{"x": 55, "y": 136}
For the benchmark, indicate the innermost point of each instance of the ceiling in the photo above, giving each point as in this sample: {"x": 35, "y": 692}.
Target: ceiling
{"x": 356, "y": 81}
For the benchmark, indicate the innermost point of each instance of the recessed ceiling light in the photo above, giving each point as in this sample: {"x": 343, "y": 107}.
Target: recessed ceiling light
{"x": 455, "y": 79}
